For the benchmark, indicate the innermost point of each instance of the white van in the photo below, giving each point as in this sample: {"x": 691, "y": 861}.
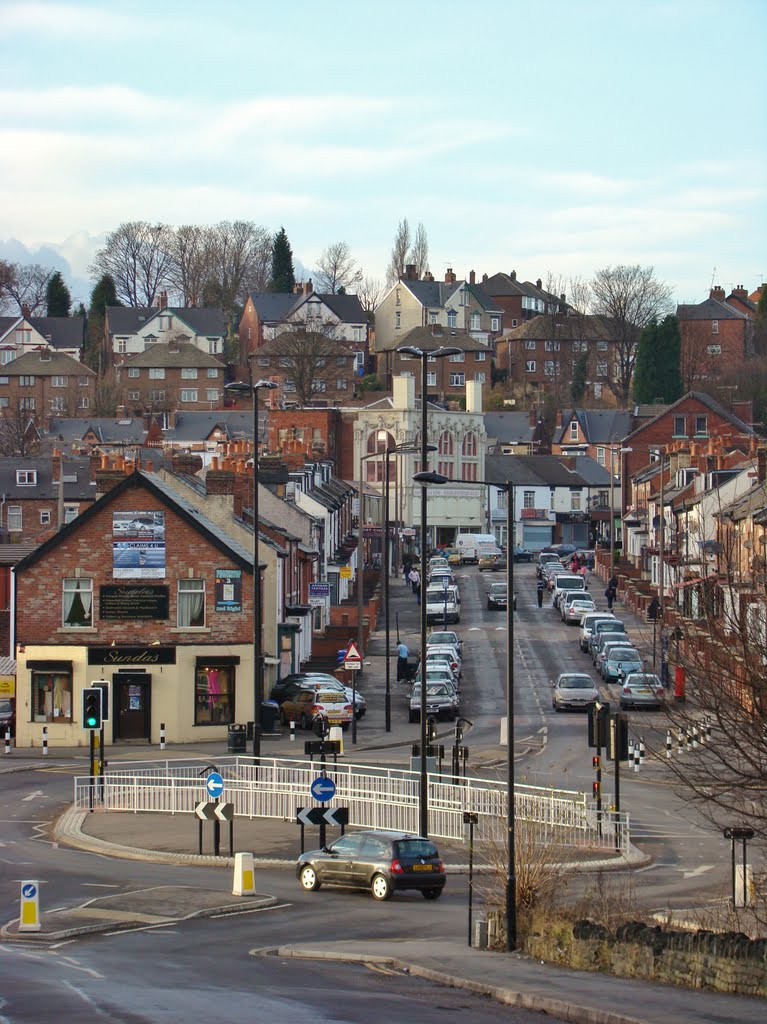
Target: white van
{"x": 472, "y": 545}
{"x": 442, "y": 604}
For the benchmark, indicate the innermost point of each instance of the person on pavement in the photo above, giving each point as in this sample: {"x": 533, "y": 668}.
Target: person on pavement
{"x": 402, "y": 655}
{"x": 415, "y": 580}
{"x": 612, "y": 591}
{"x": 407, "y": 567}
{"x": 540, "y": 588}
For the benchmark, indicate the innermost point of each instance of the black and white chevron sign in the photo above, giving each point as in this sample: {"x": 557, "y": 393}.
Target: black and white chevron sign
{"x": 320, "y": 816}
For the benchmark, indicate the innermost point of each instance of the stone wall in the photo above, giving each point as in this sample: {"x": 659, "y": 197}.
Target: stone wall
{"x": 720, "y": 962}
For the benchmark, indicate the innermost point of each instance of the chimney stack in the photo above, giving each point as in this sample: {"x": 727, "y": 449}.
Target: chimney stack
{"x": 162, "y": 301}
{"x": 449, "y": 276}
{"x": 25, "y": 310}
{"x": 513, "y": 275}
{"x": 410, "y": 272}
{"x": 717, "y": 293}
{"x": 744, "y": 410}
{"x": 539, "y": 284}
{"x": 484, "y": 278}
{"x": 559, "y": 419}
{"x": 740, "y": 292}
{"x": 472, "y": 277}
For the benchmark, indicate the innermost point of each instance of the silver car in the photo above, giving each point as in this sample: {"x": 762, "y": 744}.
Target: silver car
{"x": 441, "y": 701}
{"x": 574, "y": 690}
{"x": 642, "y": 690}
{"x": 573, "y": 606}
{"x": 588, "y": 624}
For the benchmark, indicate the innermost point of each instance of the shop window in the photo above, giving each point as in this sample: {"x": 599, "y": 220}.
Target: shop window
{"x": 191, "y": 603}
{"x": 52, "y": 695}
{"x": 213, "y": 693}
{"x": 77, "y": 604}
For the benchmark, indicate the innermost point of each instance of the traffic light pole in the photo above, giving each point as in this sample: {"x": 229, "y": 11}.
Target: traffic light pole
{"x": 91, "y": 750}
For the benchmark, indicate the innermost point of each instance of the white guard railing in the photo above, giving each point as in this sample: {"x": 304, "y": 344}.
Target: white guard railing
{"x": 377, "y": 796}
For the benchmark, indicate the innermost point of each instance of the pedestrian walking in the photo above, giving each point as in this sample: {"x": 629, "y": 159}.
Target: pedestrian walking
{"x": 612, "y": 591}
{"x": 402, "y": 655}
{"x": 417, "y": 589}
{"x": 415, "y": 579}
{"x": 406, "y": 569}
{"x": 540, "y": 588}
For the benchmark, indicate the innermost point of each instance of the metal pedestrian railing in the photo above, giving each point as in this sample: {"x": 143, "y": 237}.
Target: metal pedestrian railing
{"x": 377, "y": 796}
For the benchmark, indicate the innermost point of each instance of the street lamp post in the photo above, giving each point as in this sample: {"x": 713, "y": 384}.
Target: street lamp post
{"x": 252, "y": 388}
{"x": 425, "y": 478}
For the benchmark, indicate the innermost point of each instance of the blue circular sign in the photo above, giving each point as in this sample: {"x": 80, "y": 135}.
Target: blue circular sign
{"x": 28, "y": 891}
{"x": 214, "y": 784}
{"x": 323, "y": 789}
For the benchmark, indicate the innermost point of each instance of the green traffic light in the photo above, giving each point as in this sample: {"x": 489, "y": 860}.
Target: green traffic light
{"x": 91, "y": 721}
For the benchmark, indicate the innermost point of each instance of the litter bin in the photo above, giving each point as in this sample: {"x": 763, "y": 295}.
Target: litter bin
{"x": 235, "y": 739}
{"x": 270, "y": 713}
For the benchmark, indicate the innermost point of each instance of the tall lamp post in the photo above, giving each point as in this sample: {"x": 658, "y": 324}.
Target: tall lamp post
{"x": 425, "y": 478}
{"x": 621, "y": 451}
{"x": 252, "y": 388}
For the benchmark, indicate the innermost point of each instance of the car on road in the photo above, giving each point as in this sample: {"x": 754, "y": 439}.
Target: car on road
{"x": 611, "y": 640}
{"x": 567, "y": 582}
{"x": 575, "y": 690}
{"x": 609, "y": 626}
{"x": 642, "y": 690}
{"x": 454, "y": 557}
{"x": 383, "y": 862}
{"x": 443, "y": 604}
{"x": 587, "y": 626}
{"x": 491, "y": 561}
{"x": 445, "y": 636}
{"x": 441, "y": 700}
{"x": 547, "y": 558}
{"x": 440, "y": 659}
{"x": 497, "y": 596}
{"x": 521, "y": 554}
{"x": 620, "y": 661}
{"x": 7, "y": 717}
{"x": 447, "y": 653}
{"x": 291, "y": 684}
{"x": 574, "y": 605}
{"x": 310, "y": 704}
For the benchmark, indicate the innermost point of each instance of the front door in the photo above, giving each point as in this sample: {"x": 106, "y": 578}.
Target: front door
{"x": 132, "y": 706}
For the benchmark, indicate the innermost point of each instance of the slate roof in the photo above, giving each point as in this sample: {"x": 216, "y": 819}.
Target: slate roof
{"x": 151, "y": 482}
{"x": 430, "y": 336}
{"x": 166, "y": 355}
{"x": 562, "y": 328}
{"x": 46, "y": 363}
{"x": 273, "y": 306}
{"x": 601, "y": 426}
{"x": 347, "y": 308}
{"x": 197, "y": 426}
{"x": 433, "y": 294}
{"x": 706, "y": 400}
{"x": 483, "y": 298}
{"x": 131, "y": 319}
{"x": 76, "y": 473}
{"x": 64, "y": 331}
{"x": 107, "y": 429}
{"x": 509, "y": 427}
{"x": 502, "y": 284}
{"x": 538, "y": 471}
{"x": 710, "y": 309}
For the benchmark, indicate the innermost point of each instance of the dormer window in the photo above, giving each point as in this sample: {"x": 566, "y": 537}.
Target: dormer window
{"x": 26, "y": 477}
{"x": 574, "y": 431}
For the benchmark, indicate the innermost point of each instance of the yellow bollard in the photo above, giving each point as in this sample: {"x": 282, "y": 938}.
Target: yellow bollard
{"x": 244, "y": 875}
{"x": 337, "y": 733}
{"x": 29, "y": 918}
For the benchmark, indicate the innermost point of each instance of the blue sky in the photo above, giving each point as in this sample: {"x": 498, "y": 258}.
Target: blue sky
{"x": 553, "y": 137}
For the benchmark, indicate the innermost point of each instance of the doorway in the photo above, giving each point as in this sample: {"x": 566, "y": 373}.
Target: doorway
{"x": 132, "y": 706}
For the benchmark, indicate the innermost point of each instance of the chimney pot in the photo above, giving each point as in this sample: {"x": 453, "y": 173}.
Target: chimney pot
{"x": 513, "y": 275}
{"x": 484, "y": 278}
{"x": 717, "y": 293}
{"x": 472, "y": 277}
{"x": 539, "y": 283}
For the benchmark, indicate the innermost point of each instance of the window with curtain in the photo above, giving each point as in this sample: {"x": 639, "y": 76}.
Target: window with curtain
{"x": 52, "y": 696}
{"x": 77, "y": 604}
{"x": 191, "y": 603}
{"x": 214, "y": 694}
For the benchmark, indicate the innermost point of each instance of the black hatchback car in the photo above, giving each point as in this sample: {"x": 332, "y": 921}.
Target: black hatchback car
{"x": 383, "y": 862}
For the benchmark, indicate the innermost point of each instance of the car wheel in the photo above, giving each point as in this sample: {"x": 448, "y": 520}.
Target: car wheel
{"x": 380, "y": 887}
{"x": 305, "y": 723}
{"x": 309, "y": 880}
{"x": 624, "y": 707}
{"x": 431, "y": 894}
{"x": 556, "y": 707}
{"x": 283, "y": 718}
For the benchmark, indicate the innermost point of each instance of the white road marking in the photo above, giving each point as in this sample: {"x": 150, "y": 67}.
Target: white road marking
{"x": 697, "y": 872}
{"x": 34, "y": 795}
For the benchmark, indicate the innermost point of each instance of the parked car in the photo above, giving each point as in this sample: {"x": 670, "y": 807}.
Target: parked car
{"x": 454, "y": 557}
{"x": 7, "y": 717}
{"x": 492, "y": 562}
{"x": 441, "y": 700}
{"x": 445, "y": 636}
{"x": 497, "y": 596}
{"x": 587, "y": 626}
{"x": 605, "y": 648}
{"x": 310, "y": 704}
{"x": 546, "y": 558}
{"x": 384, "y": 862}
{"x": 291, "y": 684}
{"x": 446, "y": 653}
{"x": 642, "y": 690}
{"x": 574, "y": 605}
{"x": 522, "y": 554}
{"x": 619, "y": 662}
{"x": 567, "y": 582}
{"x": 442, "y": 604}
{"x": 574, "y": 690}
{"x": 608, "y": 626}
{"x": 438, "y": 659}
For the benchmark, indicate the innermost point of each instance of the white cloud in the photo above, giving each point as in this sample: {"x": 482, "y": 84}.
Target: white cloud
{"x": 63, "y": 20}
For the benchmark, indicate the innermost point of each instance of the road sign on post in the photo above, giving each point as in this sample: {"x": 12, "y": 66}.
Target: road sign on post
{"x": 323, "y": 789}
{"x": 214, "y": 784}
{"x": 352, "y": 658}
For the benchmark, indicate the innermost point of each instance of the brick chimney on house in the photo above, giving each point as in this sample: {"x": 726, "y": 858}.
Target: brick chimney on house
{"x": 173, "y": 343}
{"x": 162, "y": 300}
{"x": 428, "y": 276}
{"x": 533, "y": 418}
{"x": 484, "y": 278}
{"x": 740, "y": 292}
{"x": 410, "y": 272}
{"x": 559, "y": 419}
{"x": 717, "y": 293}
{"x": 472, "y": 277}
{"x": 25, "y": 310}
{"x": 308, "y": 287}
{"x": 56, "y": 466}
{"x": 513, "y": 275}
{"x": 450, "y": 277}
{"x": 539, "y": 284}
{"x": 220, "y": 477}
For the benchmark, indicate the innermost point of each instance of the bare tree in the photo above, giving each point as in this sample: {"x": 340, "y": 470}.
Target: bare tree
{"x": 419, "y": 251}
{"x": 18, "y": 433}
{"x": 237, "y": 252}
{"x": 336, "y": 270}
{"x": 399, "y": 253}
{"x": 370, "y": 292}
{"x": 139, "y": 257}
{"x": 108, "y": 393}
{"x": 630, "y": 297}
{"x": 190, "y": 265}
{"x": 24, "y": 284}
{"x": 308, "y": 359}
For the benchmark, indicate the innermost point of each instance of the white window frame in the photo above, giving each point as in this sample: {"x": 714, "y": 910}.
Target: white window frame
{"x": 184, "y": 610}
{"x": 82, "y": 585}
{"x": 431, "y": 379}
{"x": 14, "y": 518}
{"x": 459, "y": 357}
{"x": 134, "y": 371}
{"x": 530, "y": 366}
{"x": 715, "y": 327}
{"x": 157, "y": 373}
{"x": 212, "y": 373}
{"x": 495, "y": 323}
{"x": 45, "y": 517}
{"x": 530, "y": 345}
{"x": 212, "y": 395}
{"x": 457, "y": 380}
{"x": 189, "y": 395}
{"x": 189, "y": 373}
{"x": 59, "y": 382}
{"x": 26, "y": 477}
{"x": 573, "y": 430}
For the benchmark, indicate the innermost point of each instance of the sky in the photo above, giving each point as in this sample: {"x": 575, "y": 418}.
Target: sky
{"x": 554, "y": 138}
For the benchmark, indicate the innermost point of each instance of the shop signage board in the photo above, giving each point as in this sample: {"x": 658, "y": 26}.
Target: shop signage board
{"x": 319, "y": 590}
{"x": 138, "y": 545}
{"x": 345, "y": 572}
{"x": 133, "y": 602}
{"x": 132, "y": 655}
{"x": 228, "y": 590}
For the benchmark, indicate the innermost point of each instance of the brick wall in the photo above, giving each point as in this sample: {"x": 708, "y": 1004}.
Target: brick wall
{"x": 89, "y": 549}
{"x": 697, "y": 362}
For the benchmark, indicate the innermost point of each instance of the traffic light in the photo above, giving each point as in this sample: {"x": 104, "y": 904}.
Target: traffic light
{"x": 92, "y": 707}
{"x": 596, "y": 763}
{"x": 596, "y": 788}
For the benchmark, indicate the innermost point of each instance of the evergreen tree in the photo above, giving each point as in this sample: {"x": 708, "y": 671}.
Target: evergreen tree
{"x": 58, "y": 301}
{"x": 80, "y": 311}
{"x": 657, "y": 373}
{"x": 579, "y": 381}
{"x": 104, "y": 294}
{"x": 283, "y": 276}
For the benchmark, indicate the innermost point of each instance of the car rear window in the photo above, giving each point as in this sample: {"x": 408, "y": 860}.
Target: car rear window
{"x": 623, "y": 654}
{"x": 576, "y": 683}
{"x": 414, "y": 849}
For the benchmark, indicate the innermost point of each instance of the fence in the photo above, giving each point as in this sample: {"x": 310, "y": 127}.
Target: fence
{"x": 377, "y": 796}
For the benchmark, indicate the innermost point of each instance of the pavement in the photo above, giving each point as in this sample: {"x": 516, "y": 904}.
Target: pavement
{"x": 510, "y": 978}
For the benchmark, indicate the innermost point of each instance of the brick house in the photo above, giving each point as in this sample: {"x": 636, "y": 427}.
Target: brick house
{"x": 517, "y": 433}
{"x": 716, "y": 335}
{"x": 314, "y": 432}
{"x": 44, "y": 383}
{"x": 339, "y": 317}
{"x": 148, "y": 594}
{"x": 167, "y": 377}
{"x": 521, "y": 300}
{"x": 446, "y": 378}
{"x": 310, "y": 367}
{"x": 591, "y": 432}
{"x": 451, "y": 304}
{"x": 129, "y": 330}
{"x": 25, "y": 333}
{"x": 41, "y": 494}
